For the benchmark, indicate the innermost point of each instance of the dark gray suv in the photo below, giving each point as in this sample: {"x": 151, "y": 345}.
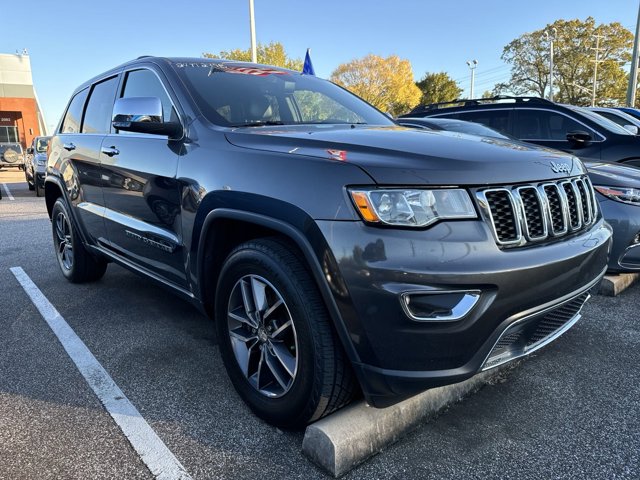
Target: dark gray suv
{"x": 337, "y": 251}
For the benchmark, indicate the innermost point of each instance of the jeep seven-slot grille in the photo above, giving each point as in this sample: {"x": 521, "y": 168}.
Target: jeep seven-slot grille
{"x": 528, "y": 213}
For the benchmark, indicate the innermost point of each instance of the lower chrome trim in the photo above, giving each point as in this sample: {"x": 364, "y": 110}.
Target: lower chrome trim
{"x": 541, "y": 310}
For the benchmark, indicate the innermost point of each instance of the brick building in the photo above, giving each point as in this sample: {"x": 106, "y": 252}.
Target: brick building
{"x": 20, "y": 114}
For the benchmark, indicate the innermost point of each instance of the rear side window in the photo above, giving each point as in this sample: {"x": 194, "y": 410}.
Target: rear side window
{"x": 97, "y": 116}
{"x": 73, "y": 117}
{"x": 496, "y": 119}
{"x": 544, "y": 125}
{"x": 145, "y": 83}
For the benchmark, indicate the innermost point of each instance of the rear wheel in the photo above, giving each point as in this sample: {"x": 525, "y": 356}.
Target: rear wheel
{"x": 75, "y": 262}
{"x": 276, "y": 339}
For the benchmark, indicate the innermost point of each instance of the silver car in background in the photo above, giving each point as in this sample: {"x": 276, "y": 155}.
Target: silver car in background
{"x": 35, "y": 164}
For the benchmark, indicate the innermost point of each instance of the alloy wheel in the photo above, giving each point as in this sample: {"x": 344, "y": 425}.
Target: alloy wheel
{"x": 64, "y": 244}
{"x": 263, "y": 336}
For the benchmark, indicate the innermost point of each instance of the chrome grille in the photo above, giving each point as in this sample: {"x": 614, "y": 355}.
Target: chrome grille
{"x": 529, "y": 213}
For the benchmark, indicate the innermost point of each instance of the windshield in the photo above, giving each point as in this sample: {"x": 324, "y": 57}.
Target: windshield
{"x": 41, "y": 145}
{"x": 603, "y": 122}
{"x": 470, "y": 128}
{"x": 239, "y": 95}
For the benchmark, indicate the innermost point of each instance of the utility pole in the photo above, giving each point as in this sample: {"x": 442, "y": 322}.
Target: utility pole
{"x": 633, "y": 71}
{"x": 252, "y": 22}
{"x": 472, "y": 65}
{"x": 595, "y": 69}
{"x": 551, "y": 37}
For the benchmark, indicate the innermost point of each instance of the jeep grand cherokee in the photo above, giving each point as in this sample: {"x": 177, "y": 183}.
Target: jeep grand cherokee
{"x": 336, "y": 250}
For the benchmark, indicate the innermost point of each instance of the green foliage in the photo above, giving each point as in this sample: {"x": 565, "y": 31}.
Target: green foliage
{"x": 270, "y": 54}
{"x": 438, "y": 87}
{"x": 574, "y": 55}
{"x": 386, "y": 83}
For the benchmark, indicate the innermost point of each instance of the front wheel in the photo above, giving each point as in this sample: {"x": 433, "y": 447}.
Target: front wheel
{"x": 275, "y": 337}
{"x": 38, "y": 188}
{"x": 76, "y": 263}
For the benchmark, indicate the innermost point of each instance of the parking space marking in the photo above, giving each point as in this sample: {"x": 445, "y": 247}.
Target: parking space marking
{"x": 151, "y": 449}
{"x": 6, "y": 190}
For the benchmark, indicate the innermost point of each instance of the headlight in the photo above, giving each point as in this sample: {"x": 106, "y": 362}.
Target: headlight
{"x": 620, "y": 194}
{"x": 412, "y": 208}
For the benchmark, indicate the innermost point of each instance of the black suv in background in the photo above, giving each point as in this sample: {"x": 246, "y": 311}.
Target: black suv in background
{"x": 572, "y": 129}
{"x": 333, "y": 247}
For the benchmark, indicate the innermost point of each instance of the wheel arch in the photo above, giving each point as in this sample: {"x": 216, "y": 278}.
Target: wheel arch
{"x": 240, "y": 226}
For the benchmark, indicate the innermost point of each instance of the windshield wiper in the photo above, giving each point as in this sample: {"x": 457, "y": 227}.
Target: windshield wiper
{"x": 259, "y": 123}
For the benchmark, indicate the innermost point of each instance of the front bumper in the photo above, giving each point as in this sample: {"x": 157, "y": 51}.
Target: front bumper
{"x": 399, "y": 356}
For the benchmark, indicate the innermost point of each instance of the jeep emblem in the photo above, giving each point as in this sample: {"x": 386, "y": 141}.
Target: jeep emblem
{"x": 560, "y": 167}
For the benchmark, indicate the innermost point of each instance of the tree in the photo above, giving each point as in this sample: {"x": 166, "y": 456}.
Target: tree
{"x": 386, "y": 83}
{"x": 574, "y": 56}
{"x": 438, "y": 87}
{"x": 270, "y": 54}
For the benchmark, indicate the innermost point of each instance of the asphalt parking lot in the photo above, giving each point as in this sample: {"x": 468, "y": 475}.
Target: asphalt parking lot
{"x": 571, "y": 410}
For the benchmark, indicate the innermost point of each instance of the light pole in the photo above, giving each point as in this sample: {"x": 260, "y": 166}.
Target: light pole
{"x": 551, "y": 38}
{"x": 252, "y": 22}
{"x": 633, "y": 71}
{"x": 472, "y": 66}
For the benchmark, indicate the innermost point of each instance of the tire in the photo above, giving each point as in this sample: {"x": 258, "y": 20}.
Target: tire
{"x": 29, "y": 184}
{"x": 76, "y": 263}
{"x": 315, "y": 375}
{"x": 38, "y": 188}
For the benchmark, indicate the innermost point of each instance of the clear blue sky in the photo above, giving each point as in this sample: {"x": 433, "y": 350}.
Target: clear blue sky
{"x": 71, "y": 41}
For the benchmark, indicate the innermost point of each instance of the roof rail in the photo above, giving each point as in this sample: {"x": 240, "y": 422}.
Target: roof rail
{"x": 144, "y": 56}
{"x": 477, "y": 101}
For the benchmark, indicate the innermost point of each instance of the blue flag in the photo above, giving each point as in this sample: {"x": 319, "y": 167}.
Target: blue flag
{"x": 307, "y": 69}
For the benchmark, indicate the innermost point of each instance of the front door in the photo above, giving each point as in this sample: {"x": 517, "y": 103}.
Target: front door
{"x": 141, "y": 192}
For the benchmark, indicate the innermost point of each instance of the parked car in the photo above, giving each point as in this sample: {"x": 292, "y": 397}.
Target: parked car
{"x": 11, "y": 155}
{"x": 617, "y": 190}
{"x": 575, "y": 130}
{"x": 623, "y": 119}
{"x": 334, "y": 248}
{"x": 35, "y": 164}
{"x": 634, "y": 112}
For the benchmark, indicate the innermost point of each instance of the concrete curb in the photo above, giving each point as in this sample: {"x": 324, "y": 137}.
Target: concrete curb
{"x": 613, "y": 285}
{"x": 348, "y": 437}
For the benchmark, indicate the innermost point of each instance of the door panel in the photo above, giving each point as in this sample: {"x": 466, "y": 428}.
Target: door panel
{"x": 142, "y": 200}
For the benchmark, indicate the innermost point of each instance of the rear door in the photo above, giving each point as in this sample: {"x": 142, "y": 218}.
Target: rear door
{"x": 141, "y": 193}
{"x": 78, "y": 145}
{"x": 549, "y": 128}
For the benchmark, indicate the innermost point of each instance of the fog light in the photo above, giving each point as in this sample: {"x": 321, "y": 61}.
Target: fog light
{"x": 439, "y": 306}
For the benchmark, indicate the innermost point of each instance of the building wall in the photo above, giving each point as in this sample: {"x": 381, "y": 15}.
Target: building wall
{"x": 18, "y": 100}
{"x": 23, "y": 112}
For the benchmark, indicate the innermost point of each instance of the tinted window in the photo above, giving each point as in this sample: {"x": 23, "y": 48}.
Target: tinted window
{"x": 145, "y": 83}
{"x": 496, "y": 119}
{"x": 544, "y": 125}
{"x": 71, "y": 122}
{"x": 97, "y": 116}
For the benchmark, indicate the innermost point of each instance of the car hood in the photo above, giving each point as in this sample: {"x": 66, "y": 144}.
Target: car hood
{"x": 612, "y": 174}
{"x": 395, "y": 155}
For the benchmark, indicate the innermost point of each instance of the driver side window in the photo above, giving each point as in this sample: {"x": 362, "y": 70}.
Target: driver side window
{"x": 145, "y": 83}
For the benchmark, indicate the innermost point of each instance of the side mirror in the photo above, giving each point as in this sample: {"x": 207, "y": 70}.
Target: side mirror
{"x": 633, "y": 129}
{"x": 143, "y": 115}
{"x": 30, "y": 151}
{"x": 579, "y": 138}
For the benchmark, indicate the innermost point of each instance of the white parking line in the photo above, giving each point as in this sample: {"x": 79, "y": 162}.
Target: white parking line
{"x": 152, "y": 451}
{"x": 6, "y": 190}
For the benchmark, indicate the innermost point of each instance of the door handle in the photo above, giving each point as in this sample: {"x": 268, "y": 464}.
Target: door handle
{"x": 69, "y": 146}
{"x": 111, "y": 151}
